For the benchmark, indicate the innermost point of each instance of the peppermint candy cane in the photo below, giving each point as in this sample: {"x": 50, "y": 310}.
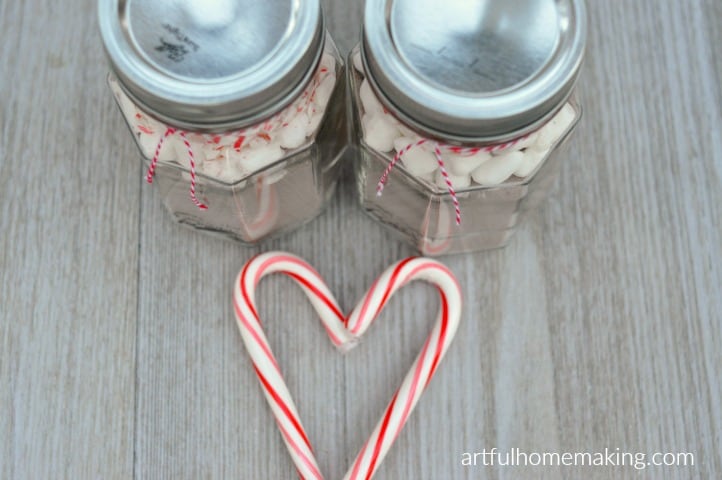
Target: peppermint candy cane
{"x": 344, "y": 333}
{"x": 267, "y": 213}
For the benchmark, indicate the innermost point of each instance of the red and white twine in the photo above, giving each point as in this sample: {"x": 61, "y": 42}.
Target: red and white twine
{"x": 191, "y": 161}
{"x": 267, "y": 213}
{"x": 260, "y": 131}
{"x": 437, "y": 150}
{"x": 345, "y": 332}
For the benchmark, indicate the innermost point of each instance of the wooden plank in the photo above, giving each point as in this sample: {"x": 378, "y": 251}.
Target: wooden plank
{"x": 565, "y": 337}
{"x": 68, "y": 251}
{"x": 710, "y": 15}
{"x": 598, "y": 327}
{"x": 637, "y": 309}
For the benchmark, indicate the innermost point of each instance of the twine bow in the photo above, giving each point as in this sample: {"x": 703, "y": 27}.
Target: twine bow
{"x": 191, "y": 159}
{"x": 262, "y": 130}
{"x": 438, "y": 147}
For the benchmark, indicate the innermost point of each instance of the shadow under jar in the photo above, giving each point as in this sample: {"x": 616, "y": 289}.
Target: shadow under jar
{"x": 237, "y": 108}
{"x": 459, "y": 129}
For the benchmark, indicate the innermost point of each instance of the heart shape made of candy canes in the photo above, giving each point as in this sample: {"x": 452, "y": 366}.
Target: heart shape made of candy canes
{"x": 345, "y": 333}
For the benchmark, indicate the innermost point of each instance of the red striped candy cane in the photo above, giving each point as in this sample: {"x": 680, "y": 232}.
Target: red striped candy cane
{"x": 344, "y": 333}
{"x": 267, "y": 212}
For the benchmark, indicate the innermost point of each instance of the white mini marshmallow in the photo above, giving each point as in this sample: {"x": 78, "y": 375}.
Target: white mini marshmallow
{"x": 324, "y": 90}
{"x": 213, "y": 168}
{"x": 182, "y": 155}
{"x": 547, "y": 136}
{"x": 417, "y": 161}
{"x": 257, "y": 140}
{"x": 235, "y": 159}
{"x": 379, "y": 132}
{"x": 228, "y": 171}
{"x": 464, "y": 165}
{"x": 357, "y": 63}
{"x": 457, "y": 181}
{"x": 293, "y": 135}
{"x": 148, "y": 144}
{"x": 497, "y": 169}
{"x": 532, "y": 159}
{"x": 314, "y": 122}
{"x": 526, "y": 142}
{"x": 126, "y": 105}
{"x": 329, "y": 62}
{"x": 407, "y": 132}
{"x": 428, "y": 177}
{"x": 261, "y": 157}
{"x": 221, "y": 169}
{"x": 211, "y": 151}
{"x": 566, "y": 116}
{"x": 402, "y": 142}
{"x": 557, "y": 126}
{"x": 369, "y": 101}
{"x": 297, "y": 107}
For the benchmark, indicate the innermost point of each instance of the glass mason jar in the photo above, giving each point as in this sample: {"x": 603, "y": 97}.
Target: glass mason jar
{"x": 459, "y": 129}
{"x": 235, "y": 106}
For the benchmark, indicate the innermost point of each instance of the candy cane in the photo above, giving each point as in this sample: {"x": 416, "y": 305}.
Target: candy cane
{"x": 441, "y": 241}
{"x": 267, "y": 212}
{"x": 344, "y": 333}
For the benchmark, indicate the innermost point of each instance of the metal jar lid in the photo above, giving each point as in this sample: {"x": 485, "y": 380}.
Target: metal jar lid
{"x": 212, "y": 64}
{"x": 479, "y": 71}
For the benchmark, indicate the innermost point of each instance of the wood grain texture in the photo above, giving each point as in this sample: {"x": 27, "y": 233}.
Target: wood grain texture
{"x": 599, "y": 326}
{"x": 68, "y": 252}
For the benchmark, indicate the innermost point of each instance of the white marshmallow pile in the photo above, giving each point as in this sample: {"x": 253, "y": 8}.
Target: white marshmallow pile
{"x": 384, "y": 133}
{"x": 232, "y": 156}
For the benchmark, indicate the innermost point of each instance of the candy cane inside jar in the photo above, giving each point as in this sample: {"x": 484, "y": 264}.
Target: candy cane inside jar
{"x": 460, "y": 127}
{"x": 228, "y": 100}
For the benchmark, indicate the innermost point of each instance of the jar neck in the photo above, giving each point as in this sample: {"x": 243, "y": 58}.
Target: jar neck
{"x": 456, "y": 142}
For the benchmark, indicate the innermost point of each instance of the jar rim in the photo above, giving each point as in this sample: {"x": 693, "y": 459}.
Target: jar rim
{"x": 436, "y": 84}
{"x": 178, "y": 67}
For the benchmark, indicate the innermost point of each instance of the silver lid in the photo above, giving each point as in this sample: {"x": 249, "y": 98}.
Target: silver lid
{"x": 474, "y": 71}
{"x": 212, "y": 64}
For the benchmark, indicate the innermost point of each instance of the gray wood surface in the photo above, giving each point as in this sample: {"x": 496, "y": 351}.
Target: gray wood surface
{"x": 599, "y": 326}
